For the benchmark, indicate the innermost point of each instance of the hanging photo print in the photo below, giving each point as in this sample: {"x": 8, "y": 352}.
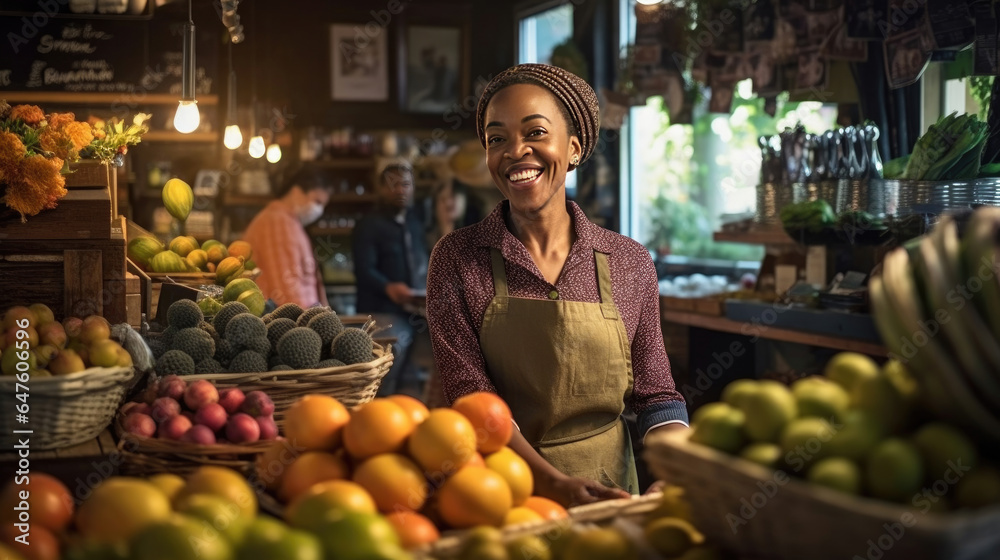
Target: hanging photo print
{"x": 839, "y": 46}
{"x": 722, "y": 97}
{"x": 812, "y": 72}
{"x": 764, "y": 71}
{"x": 758, "y": 22}
{"x": 952, "y": 24}
{"x": 905, "y": 58}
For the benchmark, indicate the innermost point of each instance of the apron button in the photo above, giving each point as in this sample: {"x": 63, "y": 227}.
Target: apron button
{"x": 553, "y": 295}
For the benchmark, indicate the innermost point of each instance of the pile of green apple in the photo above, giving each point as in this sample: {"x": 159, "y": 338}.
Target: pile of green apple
{"x": 31, "y": 334}
{"x": 860, "y": 429}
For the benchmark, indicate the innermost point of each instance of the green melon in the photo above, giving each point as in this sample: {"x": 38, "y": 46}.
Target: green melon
{"x": 236, "y": 287}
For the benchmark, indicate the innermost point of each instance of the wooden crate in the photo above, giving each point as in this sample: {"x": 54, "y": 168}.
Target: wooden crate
{"x": 83, "y": 214}
{"x": 77, "y": 277}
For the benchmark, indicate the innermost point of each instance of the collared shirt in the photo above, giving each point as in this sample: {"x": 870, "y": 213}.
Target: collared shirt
{"x": 284, "y": 254}
{"x": 387, "y": 249}
{"x": 460, "y": 287}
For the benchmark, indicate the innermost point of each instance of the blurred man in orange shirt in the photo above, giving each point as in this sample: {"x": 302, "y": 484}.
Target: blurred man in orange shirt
{"x": 282, "y": 248}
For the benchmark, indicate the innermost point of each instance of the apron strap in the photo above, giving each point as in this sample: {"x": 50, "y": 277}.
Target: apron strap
{"x": 604, "y": 285}
{"x": 499, "y": 273}
{"x": 577, "y": 437}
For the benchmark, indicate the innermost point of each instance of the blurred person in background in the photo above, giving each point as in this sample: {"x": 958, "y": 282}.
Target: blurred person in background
{"x": 282, "y": 248}
{"x": 390, "y": 265}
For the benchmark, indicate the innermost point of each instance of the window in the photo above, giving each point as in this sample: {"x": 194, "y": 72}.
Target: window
{"x": 539, "y": 32}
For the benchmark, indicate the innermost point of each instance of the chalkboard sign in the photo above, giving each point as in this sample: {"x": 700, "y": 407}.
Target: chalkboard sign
{"x": 73, "y": 55}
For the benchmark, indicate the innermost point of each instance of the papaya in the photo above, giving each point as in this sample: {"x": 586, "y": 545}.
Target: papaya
{"x": 240, "y": 248}
{"x": 237, "y": 286}
{"x": 210, "y": 242}
{"x": 178, "y": 198}
{"x": 182, "y": 245}
{"x": 142, "y": 248}
{"x": 198, "y": 258}
{"x": 167, "y": 261}
{"x": 227, "y": 269}
{"x": 216, "y": 253}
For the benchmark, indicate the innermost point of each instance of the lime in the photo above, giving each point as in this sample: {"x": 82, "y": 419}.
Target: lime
{"x": 818, "y": 396}
{"x": 766, "y": 454}
{"x": 356, "y": 536}
{"x": 878, "y": 397}
{"x": 736, "y": 391}
{"x": 943, "y": 448}
{"x": 671, "y": 536}
{"x": 529, "y": 546}
{"x": 847, "y": 368}
{"x": 598, "y": 543}
{"x": 721, "y": 428}
{"x": 895, "y": 471}
{"x": 805, "y": 440}
{"x": 836, "y": 473}
{"x": 857, "y": 436}
{"x": 180, "y": 538}
{"x": 768, "y": 410}
{"x": 223, "y": 515}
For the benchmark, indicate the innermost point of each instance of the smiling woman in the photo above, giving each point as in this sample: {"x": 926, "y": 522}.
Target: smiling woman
{"x": 537, "y": 276}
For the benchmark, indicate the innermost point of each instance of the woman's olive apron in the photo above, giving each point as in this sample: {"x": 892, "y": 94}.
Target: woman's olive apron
{"x": 564, "y": 368}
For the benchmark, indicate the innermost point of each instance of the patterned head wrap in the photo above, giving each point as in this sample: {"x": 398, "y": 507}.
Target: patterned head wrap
{"x": 576, "y": 95}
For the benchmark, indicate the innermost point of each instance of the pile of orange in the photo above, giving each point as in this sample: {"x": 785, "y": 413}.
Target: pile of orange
{"x": 425, "y": 470}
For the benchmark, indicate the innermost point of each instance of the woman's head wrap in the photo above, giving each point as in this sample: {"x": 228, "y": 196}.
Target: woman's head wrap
{"x": 572, "y": 91}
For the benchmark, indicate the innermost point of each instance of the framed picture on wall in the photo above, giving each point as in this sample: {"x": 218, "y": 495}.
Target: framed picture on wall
{"x": 359, "y": 65}
{"x": 433, "y": 67}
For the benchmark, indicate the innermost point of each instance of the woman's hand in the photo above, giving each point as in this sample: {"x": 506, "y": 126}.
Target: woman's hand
{"x": 574, "y": 491}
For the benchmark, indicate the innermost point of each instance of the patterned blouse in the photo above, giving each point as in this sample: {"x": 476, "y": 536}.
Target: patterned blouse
{"x": 460, "y": 287}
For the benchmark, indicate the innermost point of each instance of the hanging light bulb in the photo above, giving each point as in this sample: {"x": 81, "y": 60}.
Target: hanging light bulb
{"x": 187, "y": 118}
{"x": 648, "y": 2}
{"x": 233, "y": 137}
{"x": 274, "y": 153}
{"x": 257, "y": 147}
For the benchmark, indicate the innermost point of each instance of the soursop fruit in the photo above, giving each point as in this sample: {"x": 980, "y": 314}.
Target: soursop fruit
{"x": 175, "y": 362}
{"x": 184, "y": 313}
{"x": 224, "y": 352}
{"x": 210, "y": 365}
{"x": 157, "y": 347}
{"x": 207, "y": 327}
{"x": 282, "y": 367}
{"x": 248, "y": 361}
{"x": 244, "y": 328}
{"x": 300, "y": 348}
{"x": 167, "y": 336}
{"x": 327, "y": 326}
{"x": 308, "y": 314}
{"x": 260, "y": 345}
{"x": 194, "y": 342}
{"x": 287, "y": 311}
{"x": 352, "y": 346}
{"x": 226, "y": 314}
{"x": 277, "y": 329}
{"x": 274, "y": 360}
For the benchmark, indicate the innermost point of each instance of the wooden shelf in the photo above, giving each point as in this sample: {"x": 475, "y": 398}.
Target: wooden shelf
{"x": 139, "y": 99}
{"x": 366, "y": 198}
{"x": 172, "y": 136}
{"x": 246, "y": 199}
{"x": 763, "y": 236}
{"x": 723, "y": 324}
{"x": 345, "y": 163}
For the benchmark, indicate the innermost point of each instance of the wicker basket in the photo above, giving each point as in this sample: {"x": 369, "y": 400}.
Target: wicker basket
{"x": 143, "y": 456}
{"x": 351, "y": 385}
{"x": 628, "y": 509}
{"x": 63, "y": 410}
{"x": 752, "y": 510}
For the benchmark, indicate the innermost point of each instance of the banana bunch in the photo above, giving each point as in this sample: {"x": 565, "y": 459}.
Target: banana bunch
{"x": 951, "y": 149}
{"x": 937, "y": 307}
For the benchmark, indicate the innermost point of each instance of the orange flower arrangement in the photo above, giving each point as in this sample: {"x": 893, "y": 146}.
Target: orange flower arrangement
{"x": 34, "y": 154}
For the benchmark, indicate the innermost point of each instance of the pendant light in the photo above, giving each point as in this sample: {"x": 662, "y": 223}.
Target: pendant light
{"x": 234, "y": 136}
{"x": 187, "y": 118}
{"x": 257, "y": 146}
{"x": 274, "y": 153}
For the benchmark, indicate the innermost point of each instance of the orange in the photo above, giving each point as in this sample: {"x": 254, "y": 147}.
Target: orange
{"x": 416, "y": 409}
{"x": 42, "y": 544}
{"x": 521, "y": 514}
{"x": 476, "y": 460}
{"x": 273, "y": 462}
{"x": 315, "y": 422}
{"x": 49, "y": 503}
{"x": 515, "y": 470}
{"x": 379, "y": 426}
{"x": 223, "y": 482}
{"x": 394, "y": 481}
{"x": 119, "y": 508}
{"x": 474, "y": 496}
{"x": 491, "y": 418}
{"x": 308, "y": 509}
{"x": 240, "y": 248}
{"x": 548, "y": 509}
{"x": 311, "y": 467}
{"x": 413, "y": 529}
{"x": 443, "y": 443}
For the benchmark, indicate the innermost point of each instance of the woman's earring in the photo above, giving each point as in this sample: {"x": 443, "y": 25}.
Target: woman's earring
{"x": 575, "y": 160}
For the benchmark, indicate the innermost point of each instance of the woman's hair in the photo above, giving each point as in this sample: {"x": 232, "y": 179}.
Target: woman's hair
{"x": 305, "y": 177}
{"x": 578, "y": 101}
